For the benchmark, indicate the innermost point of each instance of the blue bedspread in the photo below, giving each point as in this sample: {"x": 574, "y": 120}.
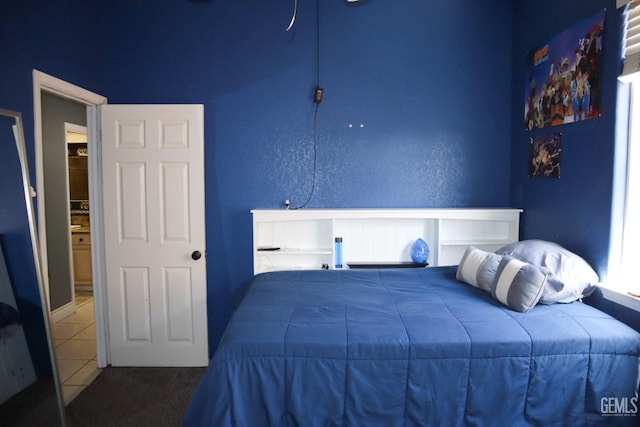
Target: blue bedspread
{"x": 412, "y": 347}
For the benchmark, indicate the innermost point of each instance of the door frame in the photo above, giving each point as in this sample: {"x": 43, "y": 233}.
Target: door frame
{"x": 46, "y": 83}
{"x": 71, "y": 127}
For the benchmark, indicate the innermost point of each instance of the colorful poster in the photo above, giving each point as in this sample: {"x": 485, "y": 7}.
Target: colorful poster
{"x": 544, "y": 155}
{"x": 563, "y": 80}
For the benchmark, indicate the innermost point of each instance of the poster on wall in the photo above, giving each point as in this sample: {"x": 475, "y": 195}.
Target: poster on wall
{"x": 563, "y": 76}
{"x": 544, "y": 155}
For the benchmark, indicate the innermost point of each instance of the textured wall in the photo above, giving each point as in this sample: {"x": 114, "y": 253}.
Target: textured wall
{"x": 430, "y": 82}
{"x": 574, "y": 210}
{"x": 60, "y": 38}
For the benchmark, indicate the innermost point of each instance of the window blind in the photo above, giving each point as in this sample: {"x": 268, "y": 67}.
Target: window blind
{"x": 631, "y": 62}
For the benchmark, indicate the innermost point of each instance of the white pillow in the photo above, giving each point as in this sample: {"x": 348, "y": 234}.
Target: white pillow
{"x": 572, "y": 277}
{"x": 478, "y": 268}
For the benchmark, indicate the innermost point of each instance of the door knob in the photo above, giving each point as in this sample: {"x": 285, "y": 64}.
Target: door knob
{"x": 196, "y": 255}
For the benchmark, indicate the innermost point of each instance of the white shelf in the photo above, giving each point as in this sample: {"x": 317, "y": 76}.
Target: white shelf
{"x": 478, "y": 242}
{"x": 296, "y": 251}
{"x": 306, "y": 236}
{"x": 266, "y": 269}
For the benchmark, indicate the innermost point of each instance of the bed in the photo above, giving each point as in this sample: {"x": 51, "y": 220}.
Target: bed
{"x": 412, "y": 347}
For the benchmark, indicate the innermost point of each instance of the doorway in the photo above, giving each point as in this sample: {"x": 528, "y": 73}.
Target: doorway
{"x": 79, "y": 212}
{"x": 179, "y": 324}
{"x": 54, "y": 197}
{"x": 46, "y": 85}
{"x": 64, "y": 199}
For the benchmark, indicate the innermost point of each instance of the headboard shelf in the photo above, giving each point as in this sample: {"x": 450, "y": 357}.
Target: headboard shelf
{"x": 305, "y": 236}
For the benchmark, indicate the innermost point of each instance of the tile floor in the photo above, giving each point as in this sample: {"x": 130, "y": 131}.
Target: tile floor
{"x": 74, "y": 339}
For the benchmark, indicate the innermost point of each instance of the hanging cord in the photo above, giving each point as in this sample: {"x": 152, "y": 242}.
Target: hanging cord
{"x": 315, "y": 160}
{"x": 293, "y": 16}
{"x": 317, "y": 100}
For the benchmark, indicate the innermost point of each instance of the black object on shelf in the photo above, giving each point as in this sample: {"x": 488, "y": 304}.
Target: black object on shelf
{"x": 371, "y": 265}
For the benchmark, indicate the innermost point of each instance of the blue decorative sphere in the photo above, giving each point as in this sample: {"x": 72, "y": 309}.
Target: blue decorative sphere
{"x": 420, "y": 252}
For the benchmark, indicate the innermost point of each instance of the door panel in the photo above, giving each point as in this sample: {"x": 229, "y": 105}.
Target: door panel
{"x": 175, "y": 203}
{"x": 131, "y": 203}
{"x": 153, "y": 186}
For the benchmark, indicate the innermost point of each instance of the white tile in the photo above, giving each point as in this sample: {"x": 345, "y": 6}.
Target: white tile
{"x": 66, "y": 368}
{"x": 83, "y": 299}
{"x": 84, "y": 317}
{"x": 85, "y": 308}
{"x": 85, "y": 375}
{"x": 76, "y": 349}
{"x": 88, "y": 333}
{"x": 64, "y": 331}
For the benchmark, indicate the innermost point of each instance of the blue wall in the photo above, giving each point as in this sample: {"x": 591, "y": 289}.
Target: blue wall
{"x": 438, "y": 87}
{"x": 430, "y": 84}
{"x": 62, "y": 39}
{"x": 574, "y": 210}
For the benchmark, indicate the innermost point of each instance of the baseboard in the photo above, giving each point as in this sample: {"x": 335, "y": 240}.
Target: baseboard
{"x": 63, "y": 312}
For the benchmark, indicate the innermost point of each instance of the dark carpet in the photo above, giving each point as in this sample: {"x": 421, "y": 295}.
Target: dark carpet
{"x": 135, "y": 397}
{"x": 35, "y": 406}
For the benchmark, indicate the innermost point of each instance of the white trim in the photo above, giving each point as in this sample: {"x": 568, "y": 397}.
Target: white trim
{"x": 96, "y": 210}
{"x": 63, "y": 312}
{"x": 66, "y": 90}
{"x": 620, "y": 298}
{"x": 631, "y": 228}
{"x": 625, "y": 206}
{"x": 70, "y": 127}
{"x": 50, "y": 84}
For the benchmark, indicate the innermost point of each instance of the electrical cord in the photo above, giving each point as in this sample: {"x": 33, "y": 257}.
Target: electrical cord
{"x": 293, "y": 16}
{"x": 315, "y": 159}
{"x": 317, "y": 100}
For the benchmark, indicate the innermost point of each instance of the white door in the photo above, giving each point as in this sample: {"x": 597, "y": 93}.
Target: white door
{"x": 154, "y": 236}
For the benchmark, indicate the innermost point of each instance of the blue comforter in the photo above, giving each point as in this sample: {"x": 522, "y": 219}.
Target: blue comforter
{"x": 412, "y": 347}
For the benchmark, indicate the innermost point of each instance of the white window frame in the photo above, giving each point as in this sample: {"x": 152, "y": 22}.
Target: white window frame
{"x": 622, "y": 284}
{"x": 630, "y": 253}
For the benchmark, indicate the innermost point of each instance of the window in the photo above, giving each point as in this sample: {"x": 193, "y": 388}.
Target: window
{"x": 630, "y": 241}
{"x": 625, "y": 253}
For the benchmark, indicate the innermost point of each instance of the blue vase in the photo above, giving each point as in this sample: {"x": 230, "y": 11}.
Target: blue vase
{"x": 420, "y": 252}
